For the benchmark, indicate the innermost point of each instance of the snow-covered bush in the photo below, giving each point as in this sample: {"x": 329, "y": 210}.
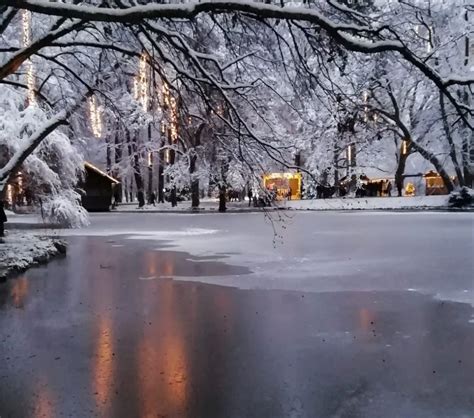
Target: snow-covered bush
{"x": 462, "y": 198}
{"x": 65, "y": 209}
{"x": 52, "y": 171}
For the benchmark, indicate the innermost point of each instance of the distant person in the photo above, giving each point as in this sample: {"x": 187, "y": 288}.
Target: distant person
{"x": 389, "y": 188}
{"x": 141, "y": 198}
{"x": 3, "y": 219}
{"x": 250, "y": 195}
{"x": 288, "y": 194}
{"x": 153, "y": 199}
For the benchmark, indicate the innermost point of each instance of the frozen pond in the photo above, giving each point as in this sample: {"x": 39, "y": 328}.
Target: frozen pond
{"x": 314, "y": 315}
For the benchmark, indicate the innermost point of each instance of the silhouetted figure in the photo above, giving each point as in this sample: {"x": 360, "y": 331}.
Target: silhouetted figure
{"x": 3, "y": 219}
{"x": 153, "y": 199}
{"x": 389, "y": 188}
{"x": 141, "y": 198}
{"x": 250, "y": 195}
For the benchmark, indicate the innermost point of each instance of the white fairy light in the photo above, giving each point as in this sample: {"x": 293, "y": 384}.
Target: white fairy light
{"x": 404, "y": 147}
{"x": 365, "y": 97}
{"x": 141, "y": 83}
{"x": 174, "y": 119}
{"x": 26, "y": 41}
{"x": 10, "y": 194}
{"x": 26, "y": 26}
{"x": 95, "y": 116}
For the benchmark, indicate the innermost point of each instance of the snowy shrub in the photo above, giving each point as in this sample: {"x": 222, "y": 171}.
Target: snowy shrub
{"x": 66, "y": 210}
{"x": 462, "y": 198}
{"x": 52, "y": 171}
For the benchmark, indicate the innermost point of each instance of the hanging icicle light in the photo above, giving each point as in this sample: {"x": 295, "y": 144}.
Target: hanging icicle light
{"x": 95, "y": 116}
{"x": 26, "y": 26}
{"x": 404, "y": 147}
{"x": 26, "y": 41}
{"x": 365, "y": 97}
{"x": 141, "y": 83}
{"x": 174, "y": 119}
{"x": 166, "y": 95}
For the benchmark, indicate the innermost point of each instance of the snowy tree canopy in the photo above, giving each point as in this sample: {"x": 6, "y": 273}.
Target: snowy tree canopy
{"x": 241, "y": 84}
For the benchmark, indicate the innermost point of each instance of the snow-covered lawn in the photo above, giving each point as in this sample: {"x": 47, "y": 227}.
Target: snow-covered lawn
{"x": 370, "y": 203}
{"x": 20, "y": 251}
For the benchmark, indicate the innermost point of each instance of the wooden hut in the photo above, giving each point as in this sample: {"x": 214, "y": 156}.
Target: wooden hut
{"x": 98, "y": 189}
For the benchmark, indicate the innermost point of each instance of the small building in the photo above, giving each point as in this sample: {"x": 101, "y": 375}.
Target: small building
{"x": 435, "y": 184}
{"x": 98, "y": 189}
{"x": 283, "y": 183}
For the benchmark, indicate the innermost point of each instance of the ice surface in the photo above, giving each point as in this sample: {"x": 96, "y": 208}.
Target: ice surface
{"x": 425, "y": 252}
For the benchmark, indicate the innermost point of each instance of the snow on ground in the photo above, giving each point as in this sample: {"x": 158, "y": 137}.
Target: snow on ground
{"x": 22, "y": 250}
{"x": 370, "y": 203}
{"x": 18, "y": 218}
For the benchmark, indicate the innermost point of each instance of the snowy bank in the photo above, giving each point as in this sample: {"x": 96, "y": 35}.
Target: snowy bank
{"x": 19, "y": 251}
{"x": 370, "y": 203}
{"x": 347, "y": 203}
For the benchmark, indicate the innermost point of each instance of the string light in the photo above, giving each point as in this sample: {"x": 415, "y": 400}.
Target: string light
{"x": 26, "y": 41}
{"x": 96, "y": 117}
{"x": 166, "y": 95}
{"x": 174, "y": 119}
{"x": 141, "y": 82}
{"x": 10, "y": 194}
{"x": 404, "y": 147}
{"x": 365, "y": 97}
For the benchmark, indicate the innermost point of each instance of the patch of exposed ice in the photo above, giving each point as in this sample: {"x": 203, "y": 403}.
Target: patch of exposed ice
{"x": 148, "y": 278}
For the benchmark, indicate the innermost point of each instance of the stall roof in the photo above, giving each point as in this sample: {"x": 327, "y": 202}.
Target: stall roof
{"x": 100, "y": 172}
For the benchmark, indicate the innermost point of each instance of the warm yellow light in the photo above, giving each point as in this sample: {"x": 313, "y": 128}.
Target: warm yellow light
{"x": 174, "y": 119}
{"x": 404, "y": 147}
{"x": 349, "y": 154}
{"x": 166, "y": 94}
{"x": 143, "y": 82}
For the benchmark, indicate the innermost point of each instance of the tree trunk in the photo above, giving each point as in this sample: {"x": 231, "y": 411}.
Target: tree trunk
{"x": 452, "y": 147}
{"x": 399, "y": 174}
{"x": 150, "y": 167}
{"x": 436, "y": 163}
{"x": 173, "y": 196}
{"x": 192, "y": 168}
{"x": 222, "y": 198}
{"x": 132, "y": 150}
{"x": 161, "y": 180}
{"x": 118, "y": 160}
{"x": 194, "y": 183}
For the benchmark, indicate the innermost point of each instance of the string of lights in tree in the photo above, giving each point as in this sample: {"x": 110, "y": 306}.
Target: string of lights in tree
{"x": 26, "y": 41}
{"x": 141, "y": 83}
{"x": 95, "y": 113}
{"x": 170, "y": 103}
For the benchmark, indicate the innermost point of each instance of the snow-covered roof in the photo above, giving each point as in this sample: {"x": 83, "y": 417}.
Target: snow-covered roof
{"x": 100, "y": 172}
